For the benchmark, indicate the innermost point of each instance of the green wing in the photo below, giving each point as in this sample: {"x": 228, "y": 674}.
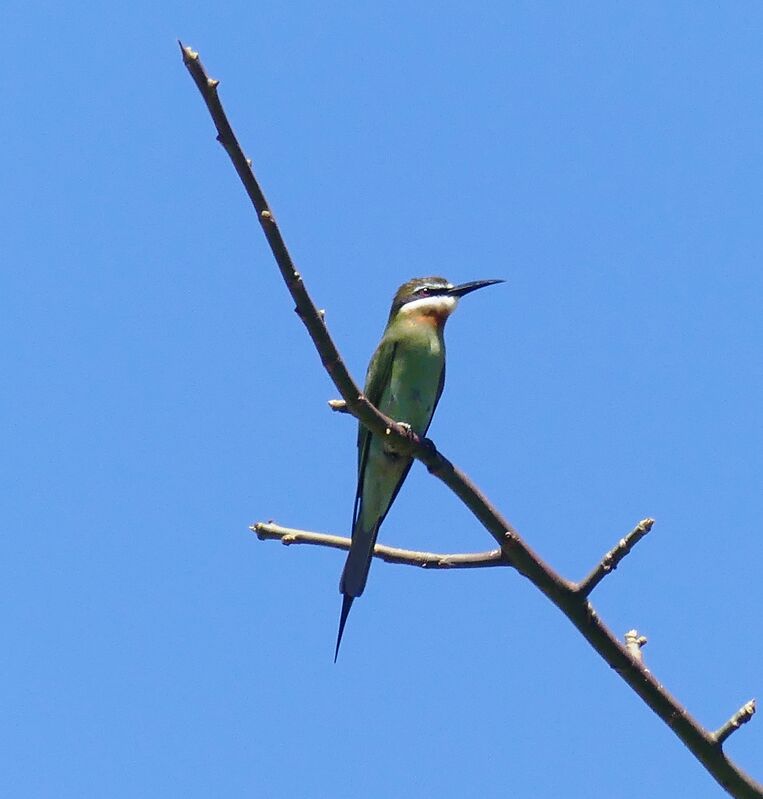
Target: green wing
{"x": 377, "y": 378}
{"x": 437, "y": 398}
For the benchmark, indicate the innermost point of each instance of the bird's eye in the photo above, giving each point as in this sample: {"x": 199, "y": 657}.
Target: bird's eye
{"x": 422, "y": 292}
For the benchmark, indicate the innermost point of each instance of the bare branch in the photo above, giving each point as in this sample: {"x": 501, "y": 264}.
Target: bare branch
{"x": 405, "y": 557}
{"x": 564, "y": 594}
{"x": 612, "y": 559}
{"x": 742, "y": 716}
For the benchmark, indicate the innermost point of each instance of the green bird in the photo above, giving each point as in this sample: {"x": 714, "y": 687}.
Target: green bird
{"x": 404, "y": 381}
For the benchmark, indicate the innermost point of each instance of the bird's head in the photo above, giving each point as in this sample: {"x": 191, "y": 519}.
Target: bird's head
{"x": 432, "y": 298}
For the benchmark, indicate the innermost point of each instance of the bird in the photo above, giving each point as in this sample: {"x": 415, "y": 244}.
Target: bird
{"x": 405, "y": 379}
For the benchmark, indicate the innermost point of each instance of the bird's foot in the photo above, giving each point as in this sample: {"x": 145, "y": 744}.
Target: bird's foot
{"x": 390, "y": 446}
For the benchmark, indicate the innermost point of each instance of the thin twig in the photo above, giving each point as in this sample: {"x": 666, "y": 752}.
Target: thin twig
{"x": 742, "y": 716}
{"x": 405, "y": 557}
{"x": 564, "y": 594}
{"x": 611, "y": 560}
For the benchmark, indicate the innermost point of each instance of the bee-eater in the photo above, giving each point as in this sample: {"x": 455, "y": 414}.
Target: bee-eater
{"x": 404, "y": 381}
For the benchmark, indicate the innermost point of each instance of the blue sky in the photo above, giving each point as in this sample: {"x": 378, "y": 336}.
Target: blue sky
{"x": 160, "y": 395}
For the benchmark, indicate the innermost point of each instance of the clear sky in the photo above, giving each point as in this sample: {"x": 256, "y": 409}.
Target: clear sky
{"x": 160, "y": 395}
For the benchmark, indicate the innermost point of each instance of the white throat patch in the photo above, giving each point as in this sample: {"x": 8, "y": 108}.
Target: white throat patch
{"x": 441, "y": 305}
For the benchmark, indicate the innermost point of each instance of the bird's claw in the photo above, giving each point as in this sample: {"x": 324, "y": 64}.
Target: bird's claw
{"x": 404, "y": 429}
{"x": 407, "y": 431}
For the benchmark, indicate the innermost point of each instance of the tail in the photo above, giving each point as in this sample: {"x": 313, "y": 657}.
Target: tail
{"x": 347, "y": 601}
{"x": 355, "y": 573}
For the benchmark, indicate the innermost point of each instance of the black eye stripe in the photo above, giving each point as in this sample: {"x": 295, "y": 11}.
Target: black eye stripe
{"x": 423, "y": 292}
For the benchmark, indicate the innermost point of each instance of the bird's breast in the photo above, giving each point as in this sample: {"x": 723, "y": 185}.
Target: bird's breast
{"x": 415, "y": 382}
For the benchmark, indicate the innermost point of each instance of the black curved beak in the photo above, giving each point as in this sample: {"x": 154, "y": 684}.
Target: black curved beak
{"x": 467, "y": 288}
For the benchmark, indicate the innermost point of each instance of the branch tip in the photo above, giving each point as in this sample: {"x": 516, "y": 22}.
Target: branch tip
{"x": 189, "y": 54}
{"x": 742, "y": 716}
{"x": 612, "y": 559}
